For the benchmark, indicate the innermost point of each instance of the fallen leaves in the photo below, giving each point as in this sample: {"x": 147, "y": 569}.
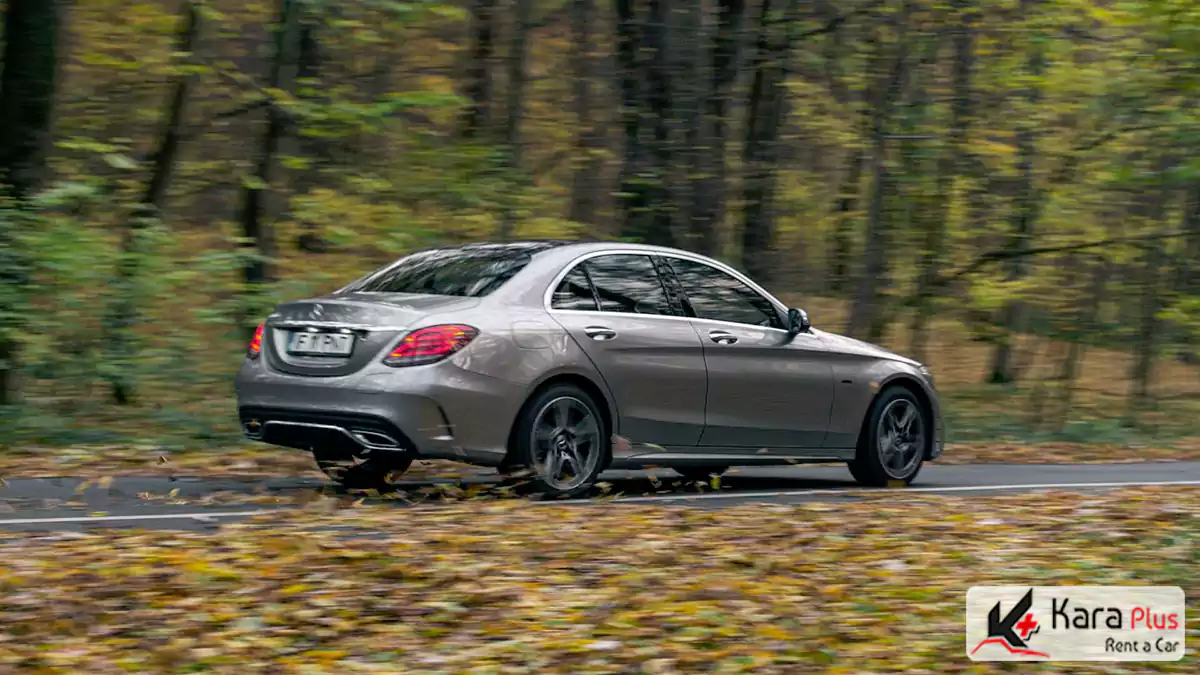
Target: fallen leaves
{"x": 512, "y": 586}
{"x": 99, "y": 463}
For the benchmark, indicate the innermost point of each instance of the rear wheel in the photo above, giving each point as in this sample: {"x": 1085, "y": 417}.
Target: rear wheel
{"x": 361, "y": 472}
{"x": 892, "y": 447}
{"x": 561, "y": 442}
{"x": 700, "y": 473}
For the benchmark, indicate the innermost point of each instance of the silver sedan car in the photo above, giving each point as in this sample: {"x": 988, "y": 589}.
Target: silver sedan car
{"x": 563, "y": 359}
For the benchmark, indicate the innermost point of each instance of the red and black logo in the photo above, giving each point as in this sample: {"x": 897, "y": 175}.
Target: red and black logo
{"x": 1014, "y": 629}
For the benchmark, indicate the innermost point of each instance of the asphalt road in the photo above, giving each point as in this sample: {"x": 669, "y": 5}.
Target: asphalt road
{"x": 196, "y": 503}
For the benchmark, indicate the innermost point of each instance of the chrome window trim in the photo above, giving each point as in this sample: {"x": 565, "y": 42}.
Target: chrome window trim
{"x": 548, "y": 296}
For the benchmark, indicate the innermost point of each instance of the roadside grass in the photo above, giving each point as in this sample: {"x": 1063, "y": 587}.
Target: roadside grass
{"x": 507, "y": 587}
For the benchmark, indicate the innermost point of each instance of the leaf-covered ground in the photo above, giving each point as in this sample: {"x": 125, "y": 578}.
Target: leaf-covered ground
{"x": 513, "y": 587}
{"x": 265, "y": 461}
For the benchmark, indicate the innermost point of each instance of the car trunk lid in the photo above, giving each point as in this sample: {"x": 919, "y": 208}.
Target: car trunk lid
{"x": 338, "y": 335}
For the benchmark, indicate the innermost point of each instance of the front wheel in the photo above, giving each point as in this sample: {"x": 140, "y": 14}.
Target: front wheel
{"x": 561, "y": 440}
{"x": 892, "y": 447}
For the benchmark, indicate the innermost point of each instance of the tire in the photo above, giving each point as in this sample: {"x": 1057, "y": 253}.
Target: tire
{"x": 356, "y": 473}
{"x": 699, "y": 473}
{"x": 891, "y": 450}
{"x": 561, "y": 459}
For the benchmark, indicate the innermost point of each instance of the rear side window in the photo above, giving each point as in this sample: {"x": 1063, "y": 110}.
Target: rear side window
{"x": 713, "y": 294}
{"x": 575, "y": 292}
{"x": 466, "y": 272}
{"x": 629, "y": 284}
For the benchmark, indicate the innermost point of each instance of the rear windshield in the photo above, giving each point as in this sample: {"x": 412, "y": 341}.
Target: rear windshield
{"x": 465, "y": 272}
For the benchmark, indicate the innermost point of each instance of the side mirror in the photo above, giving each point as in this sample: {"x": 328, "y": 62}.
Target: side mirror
{"x": 798, "y": 322}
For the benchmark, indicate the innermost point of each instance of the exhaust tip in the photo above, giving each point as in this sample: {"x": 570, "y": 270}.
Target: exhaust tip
{"x": 253, "y": 429}
{"x": 375, "y": 439}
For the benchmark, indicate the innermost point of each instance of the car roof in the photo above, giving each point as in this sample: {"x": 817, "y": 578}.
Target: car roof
{"x": 535, "y": 246}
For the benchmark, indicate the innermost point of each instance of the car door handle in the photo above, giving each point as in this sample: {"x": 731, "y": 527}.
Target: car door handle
{"x": 600, "y": 333}
{"x": 721, "y": 337}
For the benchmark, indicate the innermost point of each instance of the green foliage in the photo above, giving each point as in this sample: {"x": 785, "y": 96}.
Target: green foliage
{"x": 372, "y": 164}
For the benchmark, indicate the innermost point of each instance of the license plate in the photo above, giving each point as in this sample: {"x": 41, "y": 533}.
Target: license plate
{"x": 321, "y": 344}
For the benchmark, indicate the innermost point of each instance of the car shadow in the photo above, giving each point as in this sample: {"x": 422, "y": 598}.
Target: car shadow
{"x": 622, "y": 485}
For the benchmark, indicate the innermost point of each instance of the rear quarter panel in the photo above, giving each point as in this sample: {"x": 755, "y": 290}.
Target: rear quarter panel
{"x": 527, "y": 347}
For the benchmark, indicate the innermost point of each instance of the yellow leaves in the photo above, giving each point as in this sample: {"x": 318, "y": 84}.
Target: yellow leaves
{"x": 835, "y": 591}
{"x": 814, "y": 587}
{"x": 772, "y": 632}
{"x": 984, "y": 146}
{"x": 212, "y": 570}
{"x": 324, "y": 654}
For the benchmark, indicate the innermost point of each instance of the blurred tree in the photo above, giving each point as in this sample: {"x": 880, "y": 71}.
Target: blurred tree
{"x": 724, "y": 55}
{"x": 315, "y": 151}
{"x": 515, "y": 108}
{"x": 950, "y": 163}
{"x": 477, "y": 116}
{"x": 31, "y": 37}
{"x": 865, "y": 310}
{"x": 1028, "y": 205}
{"x": 124, "y": 316}
{"x": 764, "y": 113}
{"x": 587, "y": 181}
{"x": 257, "y": 230}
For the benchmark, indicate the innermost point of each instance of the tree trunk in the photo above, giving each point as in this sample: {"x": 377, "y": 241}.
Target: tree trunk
{"x": 848, "y": 189}
{"x": 1154, "y": 257}
{"x": 515, "y": 112}
{"x": 690, "y": 75}
{"x": 31, "y": 36}
{"x": 658, "y": 103}
{"x": 316, "y": 151}
{"x": 844, "y": 220}
{"x": 478, "y": 116}
{"x": 646, "y": 213}
{"x": 906, "y": 204}
{"x": 1187, "y": 268}
{"x": 1085, "y": 324}
{"x": 589, "y": 170}
{"x": 121, "y": 343}
{"x": 1015, "y": 316}
{"x": 765, "y": 113}
{"x": 256, "y": 228}
{"x": 865, "y": 310}
{"x": 633, "y": 190}
{"x": 950, "y": 164}
{"x": 709, "y": 204}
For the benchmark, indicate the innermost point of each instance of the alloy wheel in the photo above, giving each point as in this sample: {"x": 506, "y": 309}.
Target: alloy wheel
{"x": 566, "y": 443}
{"x": 900, "y": 438}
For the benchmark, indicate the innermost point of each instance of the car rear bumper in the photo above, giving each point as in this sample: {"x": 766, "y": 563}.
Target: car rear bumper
{"x": 427, "y": 412}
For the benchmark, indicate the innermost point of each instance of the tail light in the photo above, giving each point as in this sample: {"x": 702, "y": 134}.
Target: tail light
{"x": 255, "y": 347}
{"x": 430, "y": 345}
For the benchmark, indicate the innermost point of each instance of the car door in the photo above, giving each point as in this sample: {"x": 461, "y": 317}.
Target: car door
{"x": 765, "y": 388}
{"x": 617, "y": 309}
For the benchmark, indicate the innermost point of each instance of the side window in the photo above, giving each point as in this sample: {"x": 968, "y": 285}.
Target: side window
{"x": 628, "y": 283}
{"x": 575, "y": 292}
{"x": 715, "y": 295}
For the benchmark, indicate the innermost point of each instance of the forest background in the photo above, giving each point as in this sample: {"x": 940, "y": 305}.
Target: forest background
{"x": 1008, "y": 190}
